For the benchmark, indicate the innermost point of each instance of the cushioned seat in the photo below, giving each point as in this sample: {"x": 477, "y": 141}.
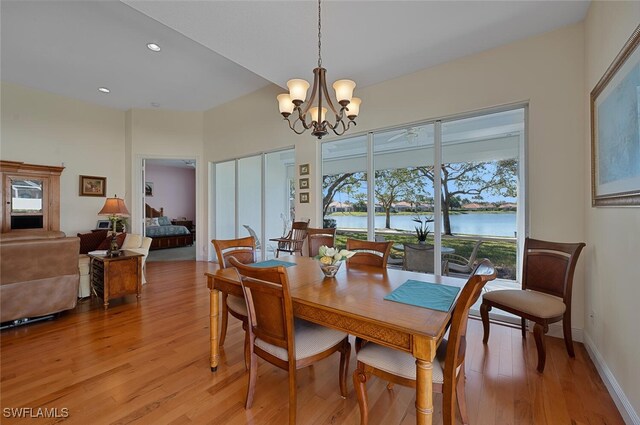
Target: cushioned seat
{"x": 398, "y": 362}
{"x": 529, "y": 302}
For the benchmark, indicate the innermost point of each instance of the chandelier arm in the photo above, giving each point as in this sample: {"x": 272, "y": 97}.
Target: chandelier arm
{"x": 329, "y": 102}
{"x": 336, "y": 130}
{"x": 301, "y": 118}
{"x": 293, "y": 126}
{"x": 314, "y": 91}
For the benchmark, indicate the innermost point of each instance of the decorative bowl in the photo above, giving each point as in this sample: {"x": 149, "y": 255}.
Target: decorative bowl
{"x": 330, "y": 270}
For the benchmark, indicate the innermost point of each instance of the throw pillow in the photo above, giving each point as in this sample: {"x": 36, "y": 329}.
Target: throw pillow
{"x": 164, "y": 221}
{"x": 107, "y": 242}
{"x": 91, "y": 241}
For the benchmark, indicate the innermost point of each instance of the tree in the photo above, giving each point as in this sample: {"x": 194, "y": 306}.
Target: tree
{"x": 473, "y": 179}
{"x": 392, "y": 186}
{"x": 332, "y": 184}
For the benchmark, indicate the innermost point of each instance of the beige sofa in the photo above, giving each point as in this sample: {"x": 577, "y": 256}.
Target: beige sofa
{"x": 38, "y": 274}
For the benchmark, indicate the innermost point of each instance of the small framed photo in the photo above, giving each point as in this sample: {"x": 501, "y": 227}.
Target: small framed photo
{"x": 304, "y": 197}
{"x": 304, "y": 169}
{"x": 103, "y": 224}
{"x": 304, "y": 183}
{"x": 93, "y": 186}
{"x": 148, "y": 189}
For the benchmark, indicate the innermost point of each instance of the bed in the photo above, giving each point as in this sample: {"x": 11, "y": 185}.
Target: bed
{"x": 163, "y": 233}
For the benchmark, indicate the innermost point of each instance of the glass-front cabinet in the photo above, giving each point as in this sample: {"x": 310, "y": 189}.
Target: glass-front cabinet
{"x": 31, "y": 196}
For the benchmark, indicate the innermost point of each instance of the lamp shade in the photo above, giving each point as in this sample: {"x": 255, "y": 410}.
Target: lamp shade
{"x": 353, "y": 109}
{"x": 298, "y": 89}
{"x": 344, "y": 90}
{"x": 114, "y": 206}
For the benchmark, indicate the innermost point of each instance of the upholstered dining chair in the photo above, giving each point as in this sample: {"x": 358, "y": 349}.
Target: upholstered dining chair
{"x": 545, "y": 297}
{"x": 244, "y": 251}
{"x": 318, "y": 238}
{"x": 369, "y": 253}
{"x": 448, "y": 367}
{"x": 278, "y": 338}
{"x": 294, "y": 241}
{"x": 460, "y": 264}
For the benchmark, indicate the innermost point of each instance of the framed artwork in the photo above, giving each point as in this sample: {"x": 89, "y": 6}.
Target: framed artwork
{"x": 304, "y": 169}
{"x": 103, "y": 224}
{"x": 304, "y": 197}
{"x": 148, "y": 189}
{"x": 304, "y": 183}
{"x": 615, "y": 130}
{"x": 93, "y": 186}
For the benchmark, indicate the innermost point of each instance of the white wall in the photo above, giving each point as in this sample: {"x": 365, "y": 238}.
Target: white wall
{"x": 547, "y": 71}
{"x": 612, "y": 234}
{"x": 174, "y": 189}
{"x": 48, "y": 129}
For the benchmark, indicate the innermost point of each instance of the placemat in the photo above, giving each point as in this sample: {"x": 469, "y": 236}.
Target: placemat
{"x": 273, "y": 263}
{"x": 425, "y": 294}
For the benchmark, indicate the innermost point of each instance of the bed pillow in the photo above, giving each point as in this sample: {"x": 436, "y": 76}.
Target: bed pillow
{"x": 164, "y": 221}
{"x": 152, "y": 222}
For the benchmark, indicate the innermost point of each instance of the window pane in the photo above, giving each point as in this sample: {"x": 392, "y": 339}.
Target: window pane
{"x": 249, "y": 195}
{"x": 279, "y": 196}
{"x": 26, "y": 196}
{"x": 225, "y": 206}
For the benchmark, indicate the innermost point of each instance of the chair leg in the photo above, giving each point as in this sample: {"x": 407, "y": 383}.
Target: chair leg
{"x": 253, "y": 376}
{"x": 345, "y": 354}
{"x": 247, "y": 347}
{"x": 484, "y": 313}
{"x": 523, "y": 327}
{"x": 225, "y": 319}
{"x": 568, "y": 340}
{"x": 292, "y": 394}
{"x": 277, "y": 253}
{"x": 538, "y": 332}
{"x": 461, "y": 396}
{"x": 360, "y": 386}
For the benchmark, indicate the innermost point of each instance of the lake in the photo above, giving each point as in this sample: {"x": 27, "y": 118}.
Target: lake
{"x": 485, "y": 224}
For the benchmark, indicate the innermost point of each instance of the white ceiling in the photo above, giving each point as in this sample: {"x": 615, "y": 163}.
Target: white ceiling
{"x": 215, "y": 51}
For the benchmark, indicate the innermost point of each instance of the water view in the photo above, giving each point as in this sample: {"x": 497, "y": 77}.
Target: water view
{"x": 485, "y": 224}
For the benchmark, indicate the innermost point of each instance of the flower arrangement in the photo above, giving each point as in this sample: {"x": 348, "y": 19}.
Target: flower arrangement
{"x": 331, "y": 259}
{"x": 422, "y": 231}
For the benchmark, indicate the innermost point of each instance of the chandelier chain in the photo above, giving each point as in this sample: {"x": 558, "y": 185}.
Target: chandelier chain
{"x": 319, "y": 36}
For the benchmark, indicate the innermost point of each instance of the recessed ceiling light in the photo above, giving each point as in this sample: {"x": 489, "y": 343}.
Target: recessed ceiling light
{"x": 104, "y": 90}
{"x": 153, "y": 47}
{"x": 155, "y": 104}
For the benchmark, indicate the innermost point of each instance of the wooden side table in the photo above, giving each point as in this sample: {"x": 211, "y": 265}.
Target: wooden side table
{"x": 113, "y": 277}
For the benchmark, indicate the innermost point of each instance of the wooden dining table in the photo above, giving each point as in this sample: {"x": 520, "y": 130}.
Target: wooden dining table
{"x": 353, "y": 301}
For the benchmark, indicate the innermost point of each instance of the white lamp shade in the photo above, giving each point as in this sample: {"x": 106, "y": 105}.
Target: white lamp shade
{"x": 285, "y": 104}
{"x": 344, "y": 89}
{"x": 314, "y": 114}
{"x": 298, "y": 89}
{"x": 353, "y": 108}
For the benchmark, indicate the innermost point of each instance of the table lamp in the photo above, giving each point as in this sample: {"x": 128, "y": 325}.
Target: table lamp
{"x": 114, "y": 208}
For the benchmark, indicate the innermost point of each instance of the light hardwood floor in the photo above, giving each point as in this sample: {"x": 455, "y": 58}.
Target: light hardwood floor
{"x": 147, "y": 363}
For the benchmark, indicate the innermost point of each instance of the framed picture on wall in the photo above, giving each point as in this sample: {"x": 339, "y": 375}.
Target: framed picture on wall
{"x": 93, "y": 186}
{"x": 304, "y": 197}
{"x": 615, "y": 130}
{"x": 304, "y": 183}
{"x": 148, "y": 189}
{"x": 304, "y": 169}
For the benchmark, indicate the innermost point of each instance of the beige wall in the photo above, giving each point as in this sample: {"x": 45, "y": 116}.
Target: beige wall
{"x": 612, "y": 234}
{"x": 546, "y": 71}
{"x": 44, "y": 128}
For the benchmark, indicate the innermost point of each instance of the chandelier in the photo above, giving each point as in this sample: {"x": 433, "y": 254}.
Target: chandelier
{"x": 307, "y": 110}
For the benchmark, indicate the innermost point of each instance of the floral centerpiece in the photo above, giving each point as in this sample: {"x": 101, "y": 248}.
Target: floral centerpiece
{"x": 331, "y": 259}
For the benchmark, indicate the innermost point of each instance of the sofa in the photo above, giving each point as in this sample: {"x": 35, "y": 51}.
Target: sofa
{"x": 38, "y": 274}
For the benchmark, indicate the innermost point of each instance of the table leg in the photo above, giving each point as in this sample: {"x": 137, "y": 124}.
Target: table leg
{"x": 424, "y": 392}
{"x": 213, "y": 328}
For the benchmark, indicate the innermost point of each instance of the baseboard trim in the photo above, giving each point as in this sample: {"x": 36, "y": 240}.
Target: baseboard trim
{"x": 555, "y": 330}
{"x": 623, "y": 404}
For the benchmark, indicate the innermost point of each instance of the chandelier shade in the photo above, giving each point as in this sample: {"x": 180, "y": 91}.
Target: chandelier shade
{"x": 305, "y": 111}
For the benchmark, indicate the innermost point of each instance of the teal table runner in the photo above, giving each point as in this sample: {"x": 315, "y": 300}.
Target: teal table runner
{"x": 273, "y": 263}
{"x": 425, "y": 294}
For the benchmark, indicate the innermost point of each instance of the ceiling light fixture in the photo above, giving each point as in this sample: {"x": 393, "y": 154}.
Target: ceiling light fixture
{"x": 104, "y": 90}
{"x": 153, "y": 47}
{"x": 293, "y": 101}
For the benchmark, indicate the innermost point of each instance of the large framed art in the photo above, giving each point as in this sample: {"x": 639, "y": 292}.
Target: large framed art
{"x": 615, "y": 130}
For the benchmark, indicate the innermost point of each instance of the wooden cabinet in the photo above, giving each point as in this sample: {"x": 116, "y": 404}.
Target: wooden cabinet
{"x": 114, "y": 277}
{"x": 30, "y": 196}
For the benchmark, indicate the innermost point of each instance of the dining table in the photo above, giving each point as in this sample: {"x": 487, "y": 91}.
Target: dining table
{"x": 353, "y": 301}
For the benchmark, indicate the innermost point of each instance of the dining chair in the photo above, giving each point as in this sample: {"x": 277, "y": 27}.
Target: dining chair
{"x": 244, "y": 251}
{"x": 369, "y": 253}
{"x": 294, "y": 241}
{"x": 448, "y": 377}
{"x": 318, "y": 238}
{"x": 460, "y": 264}
{"x": 545, "y": 297}
{"x": 278, "y": 338}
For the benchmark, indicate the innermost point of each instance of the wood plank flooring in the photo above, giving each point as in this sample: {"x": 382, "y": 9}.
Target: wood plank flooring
{"x": 147, "y": 362}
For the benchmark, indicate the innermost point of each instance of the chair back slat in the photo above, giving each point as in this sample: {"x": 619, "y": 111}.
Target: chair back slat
{"x": 549, "y": 267}
{"x": 243, "y": 249}
{"x": 318, "y": 238}
{"x": 369, "y": 253}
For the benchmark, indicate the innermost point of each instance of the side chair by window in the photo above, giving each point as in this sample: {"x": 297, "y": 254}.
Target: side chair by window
{"x": 369, "y": 253}
{"x": 294, "y": 241}
{"x": 545, "y": 297}
{"x": 399, "y": 367}
{"x": 318, "y": 238}
{"x": 244, "y": 251}
{"x": 278, "y": 338}
{"x": 460, "y": 264}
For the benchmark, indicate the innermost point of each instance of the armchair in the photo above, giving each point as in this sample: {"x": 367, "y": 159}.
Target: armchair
{"x": 459, "y": 264}
{"x": 139, "y": 244}
{"x": 294, "y": 241}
